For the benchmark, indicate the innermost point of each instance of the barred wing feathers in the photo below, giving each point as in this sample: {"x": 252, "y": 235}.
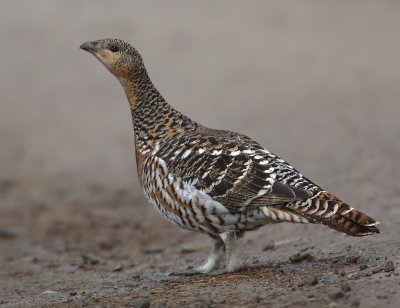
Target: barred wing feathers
{"x": 230, "y": 168}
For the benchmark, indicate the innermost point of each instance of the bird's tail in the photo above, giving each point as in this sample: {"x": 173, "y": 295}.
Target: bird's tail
{"x": 327, "y": 209}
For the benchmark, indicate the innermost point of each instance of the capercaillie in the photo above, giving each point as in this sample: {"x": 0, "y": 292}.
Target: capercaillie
{"x": 213, "y": 181}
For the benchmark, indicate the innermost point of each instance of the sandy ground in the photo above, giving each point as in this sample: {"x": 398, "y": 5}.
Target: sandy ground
{"x": 317, "y": 82}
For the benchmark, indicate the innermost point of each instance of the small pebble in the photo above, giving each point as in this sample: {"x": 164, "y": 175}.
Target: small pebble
{"x": 7, "y": 234}
{"x": 336, "y": 295}
{"x": 311, "y": 281}
{"x": 352, "y": 259}
{"x": 141, "y": 303}
{"x": 301, "y": 257}
{"x": 345, "y": 287}
{"x": 151, "y": 250}
{"x": 118, "y": 268}
{"x": 187, "y": 249}
{"x": 72, "y": 293}
{"x": 6, "y": 185}
{"x": 35, "y": 260}
{"x": 257, "y": 299}
{"x": 89, "y": 259}
{"x": 389, "y": 266}
{"x": 270, "y": 246}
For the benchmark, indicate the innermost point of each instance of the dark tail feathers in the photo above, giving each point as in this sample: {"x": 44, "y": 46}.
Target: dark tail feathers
{"x": 327, "y": 209}
{"x": 352, "y": 222}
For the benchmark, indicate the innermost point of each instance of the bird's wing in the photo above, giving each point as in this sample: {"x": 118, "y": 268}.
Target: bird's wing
{"x": 230, "y": 168}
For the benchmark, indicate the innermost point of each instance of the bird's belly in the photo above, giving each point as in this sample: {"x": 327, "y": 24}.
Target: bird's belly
{"x": 191, "y": 216}
{"x": 183, "y": 204}
{"x": 202, "y": 217}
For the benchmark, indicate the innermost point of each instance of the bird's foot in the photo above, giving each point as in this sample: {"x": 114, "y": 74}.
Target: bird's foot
{"x": 192, "y": 273}
{"x": 204, "y": 269}
{"x": 215, "y": 261}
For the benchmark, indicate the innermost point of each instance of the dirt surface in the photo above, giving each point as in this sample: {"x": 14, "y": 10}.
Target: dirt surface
{"x": 317, "y": 82}
{"x": 117, "y": 251}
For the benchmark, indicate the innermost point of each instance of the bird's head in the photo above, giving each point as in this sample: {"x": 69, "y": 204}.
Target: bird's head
{"x": 120, "y": 58}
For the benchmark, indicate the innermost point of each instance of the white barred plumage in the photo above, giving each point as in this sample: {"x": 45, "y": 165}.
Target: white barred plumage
{"x": 212, "y": 181}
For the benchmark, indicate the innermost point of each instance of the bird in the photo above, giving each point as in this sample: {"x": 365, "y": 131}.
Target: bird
{"x": 216, "y": 182}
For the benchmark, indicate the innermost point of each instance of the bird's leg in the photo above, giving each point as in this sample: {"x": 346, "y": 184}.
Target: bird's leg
{"x": 235, "y": 256}
{"x": 216, "y": 257}
{"x": 214, "y": 260}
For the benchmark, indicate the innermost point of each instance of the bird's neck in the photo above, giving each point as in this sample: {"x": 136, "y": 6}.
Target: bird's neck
{"x": 153, "y": 118}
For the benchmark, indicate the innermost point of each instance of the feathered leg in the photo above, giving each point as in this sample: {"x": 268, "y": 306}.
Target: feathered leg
{"x": 214, "y": 260}
{"x": 235, "y": 256}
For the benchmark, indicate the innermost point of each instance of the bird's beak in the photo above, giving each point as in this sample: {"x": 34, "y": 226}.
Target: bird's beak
{"x": 88, "y": 46}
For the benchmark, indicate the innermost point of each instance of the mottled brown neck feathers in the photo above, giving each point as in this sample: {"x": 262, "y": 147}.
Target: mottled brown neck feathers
{"x": 152, "y": 117}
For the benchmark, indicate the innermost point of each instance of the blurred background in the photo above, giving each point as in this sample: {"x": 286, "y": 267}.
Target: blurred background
{"x": 316, "y": 82}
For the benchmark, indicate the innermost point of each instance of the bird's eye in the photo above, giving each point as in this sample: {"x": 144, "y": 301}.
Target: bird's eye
{"x": 113, "y": 48}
